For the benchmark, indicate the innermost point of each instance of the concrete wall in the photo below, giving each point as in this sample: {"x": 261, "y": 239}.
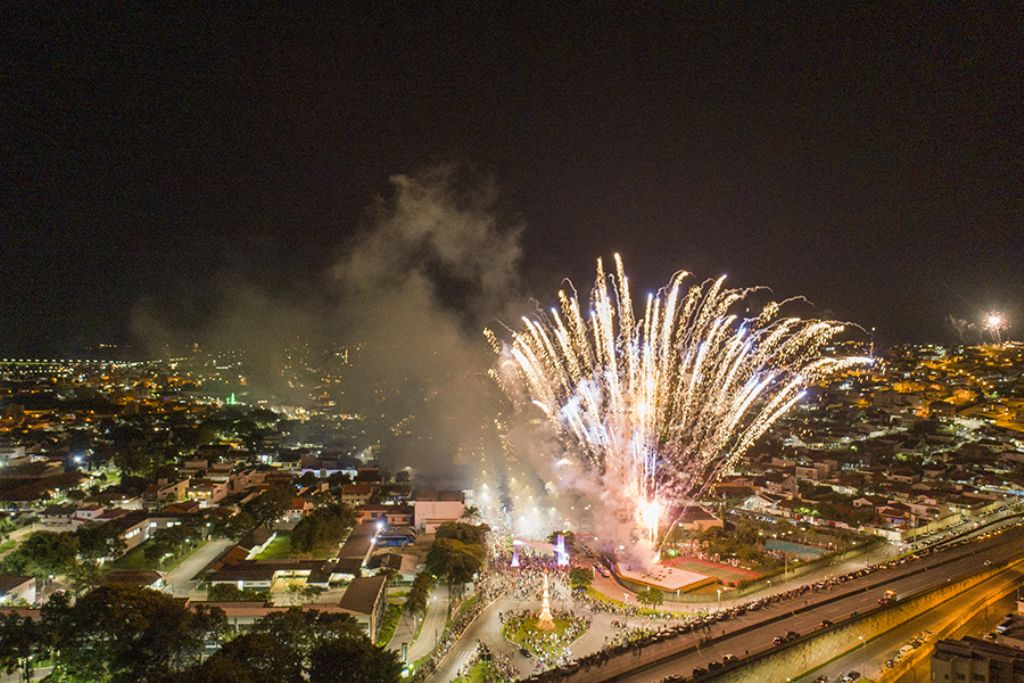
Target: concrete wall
{"x": 962, "y": 617}
{"x": 907, "y": 535}
{"x": 428, "y": 514}
{"x": 816, "y": 650}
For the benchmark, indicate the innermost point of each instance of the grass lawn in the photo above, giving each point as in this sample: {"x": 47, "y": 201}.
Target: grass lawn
{"x": 281, "y": 549}
{"x": 135, "y": 559}
{"x": 389, "y": 624}
{"x": 466, "y": 605}
{"x": 477, "y": 674}
{"x": 7, "y": 545}
{"x": 525, "y": 635}
{"x": 601, "y": 597}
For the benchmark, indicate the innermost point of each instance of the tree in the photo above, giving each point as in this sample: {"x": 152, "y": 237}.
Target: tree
{"x": 227, "y": 592}
{"x": 303, "y": 631}
{"x": 20, "y": 643}
{"x": 458, "y": 562}
{"x": 323, "y": 527}
{"x": 298, "y": 647}
{"x": 45, "y": 553}
{"x": 99, "y": 542}
{"x": 122, "y": 634}
{"x": 354, "y": 660}
{"x": 269, "y": 506}
{"x": 419, "y": 593}
{"x": 173, "y": 540}
{"x": 580, "y": 578}
{"x": 85, "y": 576}
{"x": 249, "y": 658}
{"x": 308, "y": 479}
{"x": 460, "y": 531}
{"x": 137, "y": 457}
{"x": 650, "y": 596}
{"x": 338, "y": 479}
{"x": 569, "y": 536}
{"x": 232, "y": 526}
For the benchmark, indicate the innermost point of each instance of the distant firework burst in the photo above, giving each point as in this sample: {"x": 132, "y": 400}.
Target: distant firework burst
{"x": 656, "y": 408}
{"x": 995, "y": 324}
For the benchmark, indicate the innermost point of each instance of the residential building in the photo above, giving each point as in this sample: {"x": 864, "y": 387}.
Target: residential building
{"x": 15, "y": 589}
{"x": 972, "y": 660}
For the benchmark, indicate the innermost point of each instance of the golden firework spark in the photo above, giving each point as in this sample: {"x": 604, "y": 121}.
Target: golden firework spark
{"x": 659, "y": 407}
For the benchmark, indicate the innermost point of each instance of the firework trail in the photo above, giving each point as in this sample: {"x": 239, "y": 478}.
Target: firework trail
{"x": 656, "y": 408}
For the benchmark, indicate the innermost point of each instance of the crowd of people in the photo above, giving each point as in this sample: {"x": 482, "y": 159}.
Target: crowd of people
{"x": 497, "y": 668}
{"x": 635, "y": 639}
{"x": 487, "y": 587}
{"x": 551, "y": 648}
{"x": 523, "y": 583}
{"x": 497, "y": 579}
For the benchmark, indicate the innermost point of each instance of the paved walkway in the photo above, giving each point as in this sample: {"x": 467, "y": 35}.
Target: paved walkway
{"x": 487, "y": 630}
{"x": 433, "y": 626}
{"x": 179, "y": 580}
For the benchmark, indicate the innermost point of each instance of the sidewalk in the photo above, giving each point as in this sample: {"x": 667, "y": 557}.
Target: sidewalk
{"x": 430, "y": 632}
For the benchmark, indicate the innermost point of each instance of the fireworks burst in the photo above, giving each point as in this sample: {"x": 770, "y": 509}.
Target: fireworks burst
{"x": 995, "y": 324}
{"x": 656, "y": 408}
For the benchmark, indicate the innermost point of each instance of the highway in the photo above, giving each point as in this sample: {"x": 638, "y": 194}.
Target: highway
{"x": 803, "y": 615}
{"x": 870, "y": 659}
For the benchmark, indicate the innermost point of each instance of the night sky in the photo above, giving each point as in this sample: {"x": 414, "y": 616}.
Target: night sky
{"x": 869, "y": 158}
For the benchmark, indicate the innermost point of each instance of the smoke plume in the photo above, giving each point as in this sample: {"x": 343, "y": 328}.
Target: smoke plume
{"x": 408, "y": 301}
